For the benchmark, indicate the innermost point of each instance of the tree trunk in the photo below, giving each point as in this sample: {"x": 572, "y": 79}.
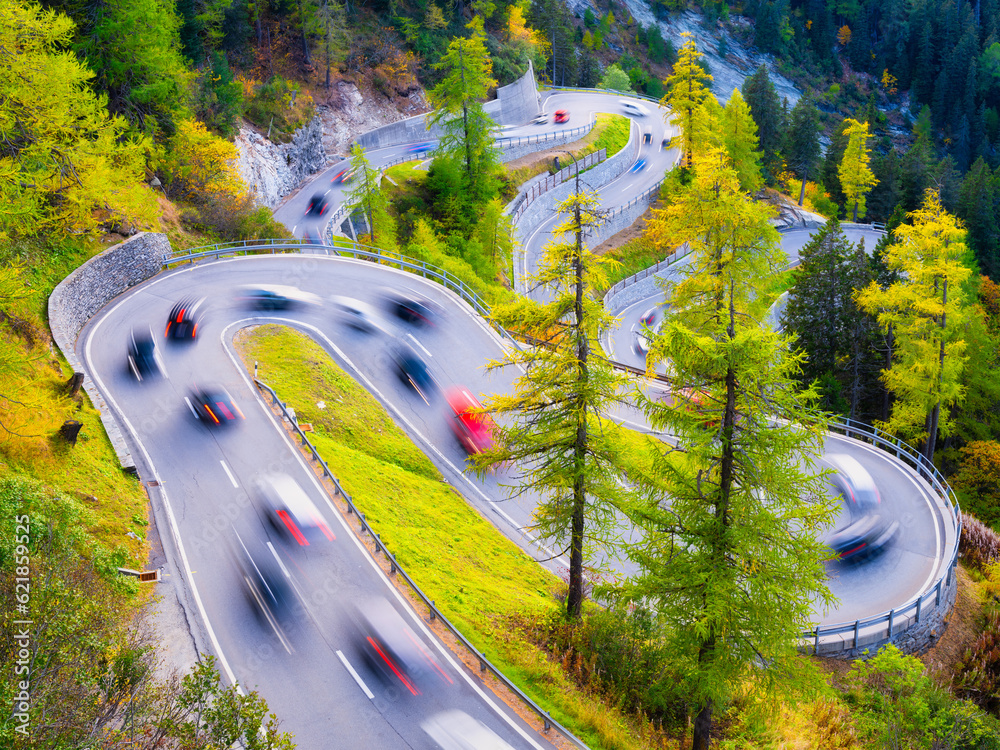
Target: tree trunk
{"x": 574, "y": 599}
{"x": 802, "y": 190}
{"x": 702, "y": 728}
{"x": 305, "y": 41}
{"x": 932, "y": 427}
{"x": 855, "y": 212}
{"x": 326, "y": 43}
{"x": 888, "y": 364}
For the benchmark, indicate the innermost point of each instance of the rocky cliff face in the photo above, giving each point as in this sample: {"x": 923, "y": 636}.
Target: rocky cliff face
{"x": 272, "y": 171}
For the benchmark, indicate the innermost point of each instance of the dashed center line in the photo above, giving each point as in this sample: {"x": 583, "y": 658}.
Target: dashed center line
{"x": 229, "y": 474}
{"x": 355, "y": 675}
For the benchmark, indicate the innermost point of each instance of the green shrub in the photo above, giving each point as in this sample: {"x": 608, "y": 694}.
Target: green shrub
{"x": 277, "y": 108}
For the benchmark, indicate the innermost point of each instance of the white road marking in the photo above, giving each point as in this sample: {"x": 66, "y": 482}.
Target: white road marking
{"x": 355, "y": 675}
{"x": 412, "y": 338}
{"x": 186, "y": 400}
{"x": 229, "y": 474}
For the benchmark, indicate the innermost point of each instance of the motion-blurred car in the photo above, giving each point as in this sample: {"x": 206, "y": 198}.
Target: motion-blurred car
{"x": 868, "y": 528}
{"x": 540, "y": 119}
{"x": 413, "y": 370}
{"x": 317, "y": 205}
{"x": 456, "y": 730}
{"x": 355, "y": 314}
{"x": 266, "y": 581}
{"x": 420, "y": 148}
{"x": 647, "y": 139}
{"x": 182, "y": 324}
{"x": 648, "y": 325}
{"x": 413, "y": 310}
{"x": 215, "y": 407}
{"x": 343, "y": 176}
{"x": 638, "y": 166}
{"x": 630, "y": 107}
{"x": 473, "y": 430}
{"x": 561, "y": 115}
{"x": 393, "y": 650}
{"x": 290, "y": 510}
{"x": 143, "y": 359}
{"x": 275, "y": 297}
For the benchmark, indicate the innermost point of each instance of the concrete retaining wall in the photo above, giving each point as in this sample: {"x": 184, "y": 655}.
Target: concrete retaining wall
{"x": 90, "y": 287}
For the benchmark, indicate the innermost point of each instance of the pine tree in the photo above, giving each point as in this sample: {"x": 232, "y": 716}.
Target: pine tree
{"x": 801, "y": 145}
{"x": 730, "y": 559}
{"x": 554, "y": 425}
{"x": 767, "y": 113}
{"x": 686, "y": 91}
{"x": 926, "y": 309}
{"x": 855, "y": 176}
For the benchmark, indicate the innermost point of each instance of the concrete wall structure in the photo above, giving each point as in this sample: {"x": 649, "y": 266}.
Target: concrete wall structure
{"x": 78, "y": 297}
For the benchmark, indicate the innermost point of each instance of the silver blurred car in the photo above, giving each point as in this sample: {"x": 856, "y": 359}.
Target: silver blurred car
{"x": 868, "y": 528}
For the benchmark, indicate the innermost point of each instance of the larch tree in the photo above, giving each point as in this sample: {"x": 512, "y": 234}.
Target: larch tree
{"x": 926, "y": 308}
{"x": 552, "y": 427}
{"x": 66, "y": 165}
{"x": 686, "y": 91}
{"x": 468, "y": 78}
{"x": 739, "y": 135}
{"x": 367, "y": 196}
{"x": 856, "y": 178}
{"x": 730, "y": 561}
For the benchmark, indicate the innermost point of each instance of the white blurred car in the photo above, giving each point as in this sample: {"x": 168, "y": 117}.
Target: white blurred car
{"x": 456, "y": 730}
{"x": 291, "y": 511}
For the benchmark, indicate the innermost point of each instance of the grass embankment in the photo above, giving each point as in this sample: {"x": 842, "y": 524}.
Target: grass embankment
{"x": 478, "y": 577}
{"x": 34, "y": 403}
{"x": 610, "y": 132}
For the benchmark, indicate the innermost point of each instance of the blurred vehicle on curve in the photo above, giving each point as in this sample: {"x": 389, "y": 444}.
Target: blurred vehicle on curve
{"x": 143, "y": 358}
{"x": 266, "y": 582}
{"x": 868, "y": 528}
{"x": 275, "y": 297}
{"x": 215, "y": 407}
{"x": 540, "y": 119}
{"x": 412, "y": 369}
{"x": 355, "y": 314}
{"x": 639, "y": 165}
{"x": 473, "y": 430}
{"x": 342, "y": 176}
{"x": 419, "y": 148}
{"x": 561, "y": 115}
{"x": 413, "y": 309}
{"x": 317, "y": 205}
{"x": 290, "y": 510}
{"x": 393, "y": 650}
{"x": 183, "y": 321}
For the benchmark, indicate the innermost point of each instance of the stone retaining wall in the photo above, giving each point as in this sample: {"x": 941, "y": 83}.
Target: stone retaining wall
{"x": 78, "y": 297}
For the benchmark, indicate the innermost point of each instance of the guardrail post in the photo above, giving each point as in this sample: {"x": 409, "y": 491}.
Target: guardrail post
{"x": 816, "y": 641}
{"x": 546, "y": 722}
{"x": 433, "y": 611}
{"x": 857, "y": 629}
{"x": 482, "y": 667}
{"x": 892, "y": 616}
{"x": 937, "y": 593}
{"x": 920, "y": 600}
{"x": 392, "y": 563}
{"x": 951, "y": 568}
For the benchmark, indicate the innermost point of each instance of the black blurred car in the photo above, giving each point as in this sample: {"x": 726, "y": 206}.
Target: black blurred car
{"x": 182, "y": 324}
{"x": 266, "y": 582}
{"x": 275, "y": 297}
{"x": 317, "y": 205}
{"x": 413, "y": 370}
{"x": 868, "y": 528}
{"x": 143, "y": 359}
{"x": 215, "y": 407}
{"x": 393, "y": 649}
{"x": 413, "y": 310}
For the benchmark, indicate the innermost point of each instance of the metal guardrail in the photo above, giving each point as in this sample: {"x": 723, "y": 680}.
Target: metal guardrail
{"x": 927, "y": 470}
{"x": 394, "y": 568}
{"x": 540, "y": 188}
{"x": 347, "y": 248}
{"x": 522, "y": 140}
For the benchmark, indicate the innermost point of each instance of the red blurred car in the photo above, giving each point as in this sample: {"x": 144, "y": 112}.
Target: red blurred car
{"x": 562, "y": 115}
{"x": 473, "y": 430}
